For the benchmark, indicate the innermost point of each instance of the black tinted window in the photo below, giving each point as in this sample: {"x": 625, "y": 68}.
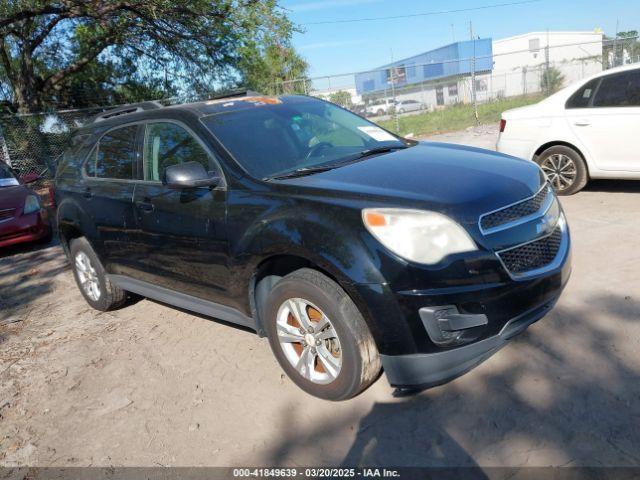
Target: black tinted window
{"x": 582, "y": 98}
{"x": 115, "y": 155}
{"x": 169, "y": 144}
{"x": 619, "y": 90}
{"x": 271, "y": 139}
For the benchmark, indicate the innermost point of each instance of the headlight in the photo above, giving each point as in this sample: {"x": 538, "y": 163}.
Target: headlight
{"x": 31, "y": 205}
{"x": 417, "y": 235}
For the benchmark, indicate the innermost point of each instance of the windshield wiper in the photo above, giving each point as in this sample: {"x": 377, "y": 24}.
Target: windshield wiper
{"x": 301, "y": 172}
{"x": 378, "y": 150}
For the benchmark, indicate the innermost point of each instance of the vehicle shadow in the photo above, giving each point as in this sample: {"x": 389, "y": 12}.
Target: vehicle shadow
{"x": 563, "y": 393}
{"x": 613, "y": 186}
{"x": 27, "y": 273}
{"x": 27, "y": 248}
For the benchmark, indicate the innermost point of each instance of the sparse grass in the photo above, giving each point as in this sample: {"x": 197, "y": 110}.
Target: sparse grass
{"x": 456, "y": 117}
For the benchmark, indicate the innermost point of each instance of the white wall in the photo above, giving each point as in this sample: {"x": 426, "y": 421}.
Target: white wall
{"x": 519, "y": 60}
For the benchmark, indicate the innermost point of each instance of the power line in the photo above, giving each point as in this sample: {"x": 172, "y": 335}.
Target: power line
{"x": 424, "y": 14}
{"x": 452, "y": 60}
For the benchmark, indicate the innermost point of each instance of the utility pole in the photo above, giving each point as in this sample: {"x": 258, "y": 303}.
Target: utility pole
{"x": 615, "y": 44}
{"x": 474, "y": 98}
{"x": 546, "y": 61}
{"x": 393, "y": 94}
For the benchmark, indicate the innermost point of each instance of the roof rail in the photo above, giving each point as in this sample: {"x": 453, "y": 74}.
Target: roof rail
{"x": 125, "y": 109}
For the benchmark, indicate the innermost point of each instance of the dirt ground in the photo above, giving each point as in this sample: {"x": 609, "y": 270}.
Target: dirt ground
{"x": 151, "y": 385}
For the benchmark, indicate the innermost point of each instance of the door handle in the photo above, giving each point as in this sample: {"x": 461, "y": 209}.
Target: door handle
{"x": 581, "y": 123}
{"x": 145, "y": 206}
{"x": 87, "y": 193}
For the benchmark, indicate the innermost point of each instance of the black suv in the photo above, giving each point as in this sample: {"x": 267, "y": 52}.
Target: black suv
{"x": 350, "y": 248}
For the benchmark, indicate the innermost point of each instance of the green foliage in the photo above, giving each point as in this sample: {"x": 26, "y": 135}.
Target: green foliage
{"x": 552, "y": 80}
{"x": 77, "y": 53}
{"x": 341, "y": 98}
{"x": 456, "y": 117}
{"x": 274, "y": 69}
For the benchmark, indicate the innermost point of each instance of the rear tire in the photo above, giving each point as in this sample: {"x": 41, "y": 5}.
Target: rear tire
{"x": 565, "y": 169}
{"x": 341, "y": 335}
{"x": 91, "y": 278}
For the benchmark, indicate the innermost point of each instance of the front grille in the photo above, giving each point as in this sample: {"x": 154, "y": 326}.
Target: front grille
{"x": 524, "y": 208}
{"x": 533, "y": 255}
{"x": 7, "y": 214}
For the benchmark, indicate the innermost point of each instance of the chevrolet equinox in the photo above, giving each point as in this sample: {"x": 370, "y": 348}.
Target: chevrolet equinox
{"x": 351, "y": 249}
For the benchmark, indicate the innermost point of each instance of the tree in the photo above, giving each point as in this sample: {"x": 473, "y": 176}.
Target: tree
{"x": 81, "y": 52}
{"x": 552, "y": 80}
{"x": 341, "y": 98}
{"x": 274, "y": 68}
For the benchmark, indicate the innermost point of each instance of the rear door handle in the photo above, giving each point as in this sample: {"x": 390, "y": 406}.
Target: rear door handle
{"x": 581, "y": 123}
{"x": 145, "y": 206}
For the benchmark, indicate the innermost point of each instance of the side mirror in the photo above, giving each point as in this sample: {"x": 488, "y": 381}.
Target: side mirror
{"x": 189, "y": 175}
{"x": 30, "y": 178}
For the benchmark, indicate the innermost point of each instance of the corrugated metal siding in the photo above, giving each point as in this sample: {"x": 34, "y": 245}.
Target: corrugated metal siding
{"x": 447, "y": 61}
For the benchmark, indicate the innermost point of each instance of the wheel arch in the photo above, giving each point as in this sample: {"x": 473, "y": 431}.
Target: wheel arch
{"x": 68, "y": 232}
{"x": 562, "y": 143}
{"x": 273, "y": 268}
{"x": 73, "y": 222}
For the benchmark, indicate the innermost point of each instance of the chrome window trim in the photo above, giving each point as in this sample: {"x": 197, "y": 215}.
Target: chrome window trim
{"x": 542, "y": 211}
{"x": 554, "y": 264}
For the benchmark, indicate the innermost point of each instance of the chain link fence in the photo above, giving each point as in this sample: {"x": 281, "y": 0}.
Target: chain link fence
{"x": 392, "y": 95}
{"x": 32, "y": 143}
{"x": 514, "y": 78}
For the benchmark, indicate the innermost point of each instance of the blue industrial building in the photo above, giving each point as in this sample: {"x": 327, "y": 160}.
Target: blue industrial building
{"x": 452, "y": 60}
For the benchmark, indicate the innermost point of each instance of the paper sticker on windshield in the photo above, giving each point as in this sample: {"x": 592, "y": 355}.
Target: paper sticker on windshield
{"x": 8, "y": 182}
{"x": 377, "y": 134}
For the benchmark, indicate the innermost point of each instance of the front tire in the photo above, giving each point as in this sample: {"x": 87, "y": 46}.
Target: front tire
{"x": 319, "y": 336}
{"x": 91, "y": 278}
{"x": 565, "y": 169}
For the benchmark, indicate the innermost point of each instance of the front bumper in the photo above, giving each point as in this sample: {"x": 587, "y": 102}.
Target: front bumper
{"x": 25, "y": 228}
{"x": 431, "y": 369}
{"x": 494, "y": 310}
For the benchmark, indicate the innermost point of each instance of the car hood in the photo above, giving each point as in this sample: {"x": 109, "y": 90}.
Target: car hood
{"x": 463, "y": 182}
{"x": 13, "y": 197}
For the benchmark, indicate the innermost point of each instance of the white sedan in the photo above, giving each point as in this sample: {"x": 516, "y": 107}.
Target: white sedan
{"x": 590, "y": 129}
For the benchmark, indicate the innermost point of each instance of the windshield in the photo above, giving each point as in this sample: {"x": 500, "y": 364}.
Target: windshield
{"x": 295, "y": 133}
{"x": 7, "y": 178}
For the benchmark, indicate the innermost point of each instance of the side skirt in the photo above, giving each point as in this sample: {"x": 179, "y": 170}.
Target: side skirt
{"x": 182, "y": 300}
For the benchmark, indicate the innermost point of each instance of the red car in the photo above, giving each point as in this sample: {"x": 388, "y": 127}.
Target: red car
{"x": 22, "y": 217}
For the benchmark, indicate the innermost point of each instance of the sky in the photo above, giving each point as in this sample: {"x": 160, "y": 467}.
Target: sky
{"x": 350, "y": 47}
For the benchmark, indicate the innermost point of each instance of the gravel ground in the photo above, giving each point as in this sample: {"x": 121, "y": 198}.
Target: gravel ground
{"x": 151, "y": 385}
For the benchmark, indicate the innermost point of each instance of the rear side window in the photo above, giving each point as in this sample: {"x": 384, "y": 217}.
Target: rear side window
{"x": 167, "y": 144}
{"x": 115, "y": 155}
{"x": 582, "y": 98}
{"x": 619, "y": 90}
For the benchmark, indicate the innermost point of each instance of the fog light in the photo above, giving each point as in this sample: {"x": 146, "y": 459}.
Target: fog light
{"x": 447, "y": 327}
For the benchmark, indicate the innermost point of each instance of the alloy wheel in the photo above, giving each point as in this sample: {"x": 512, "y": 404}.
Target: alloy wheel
{"x": 309, "y": 341}
{"x": 561, "y": 171}
{"x": 87, "y": 276}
